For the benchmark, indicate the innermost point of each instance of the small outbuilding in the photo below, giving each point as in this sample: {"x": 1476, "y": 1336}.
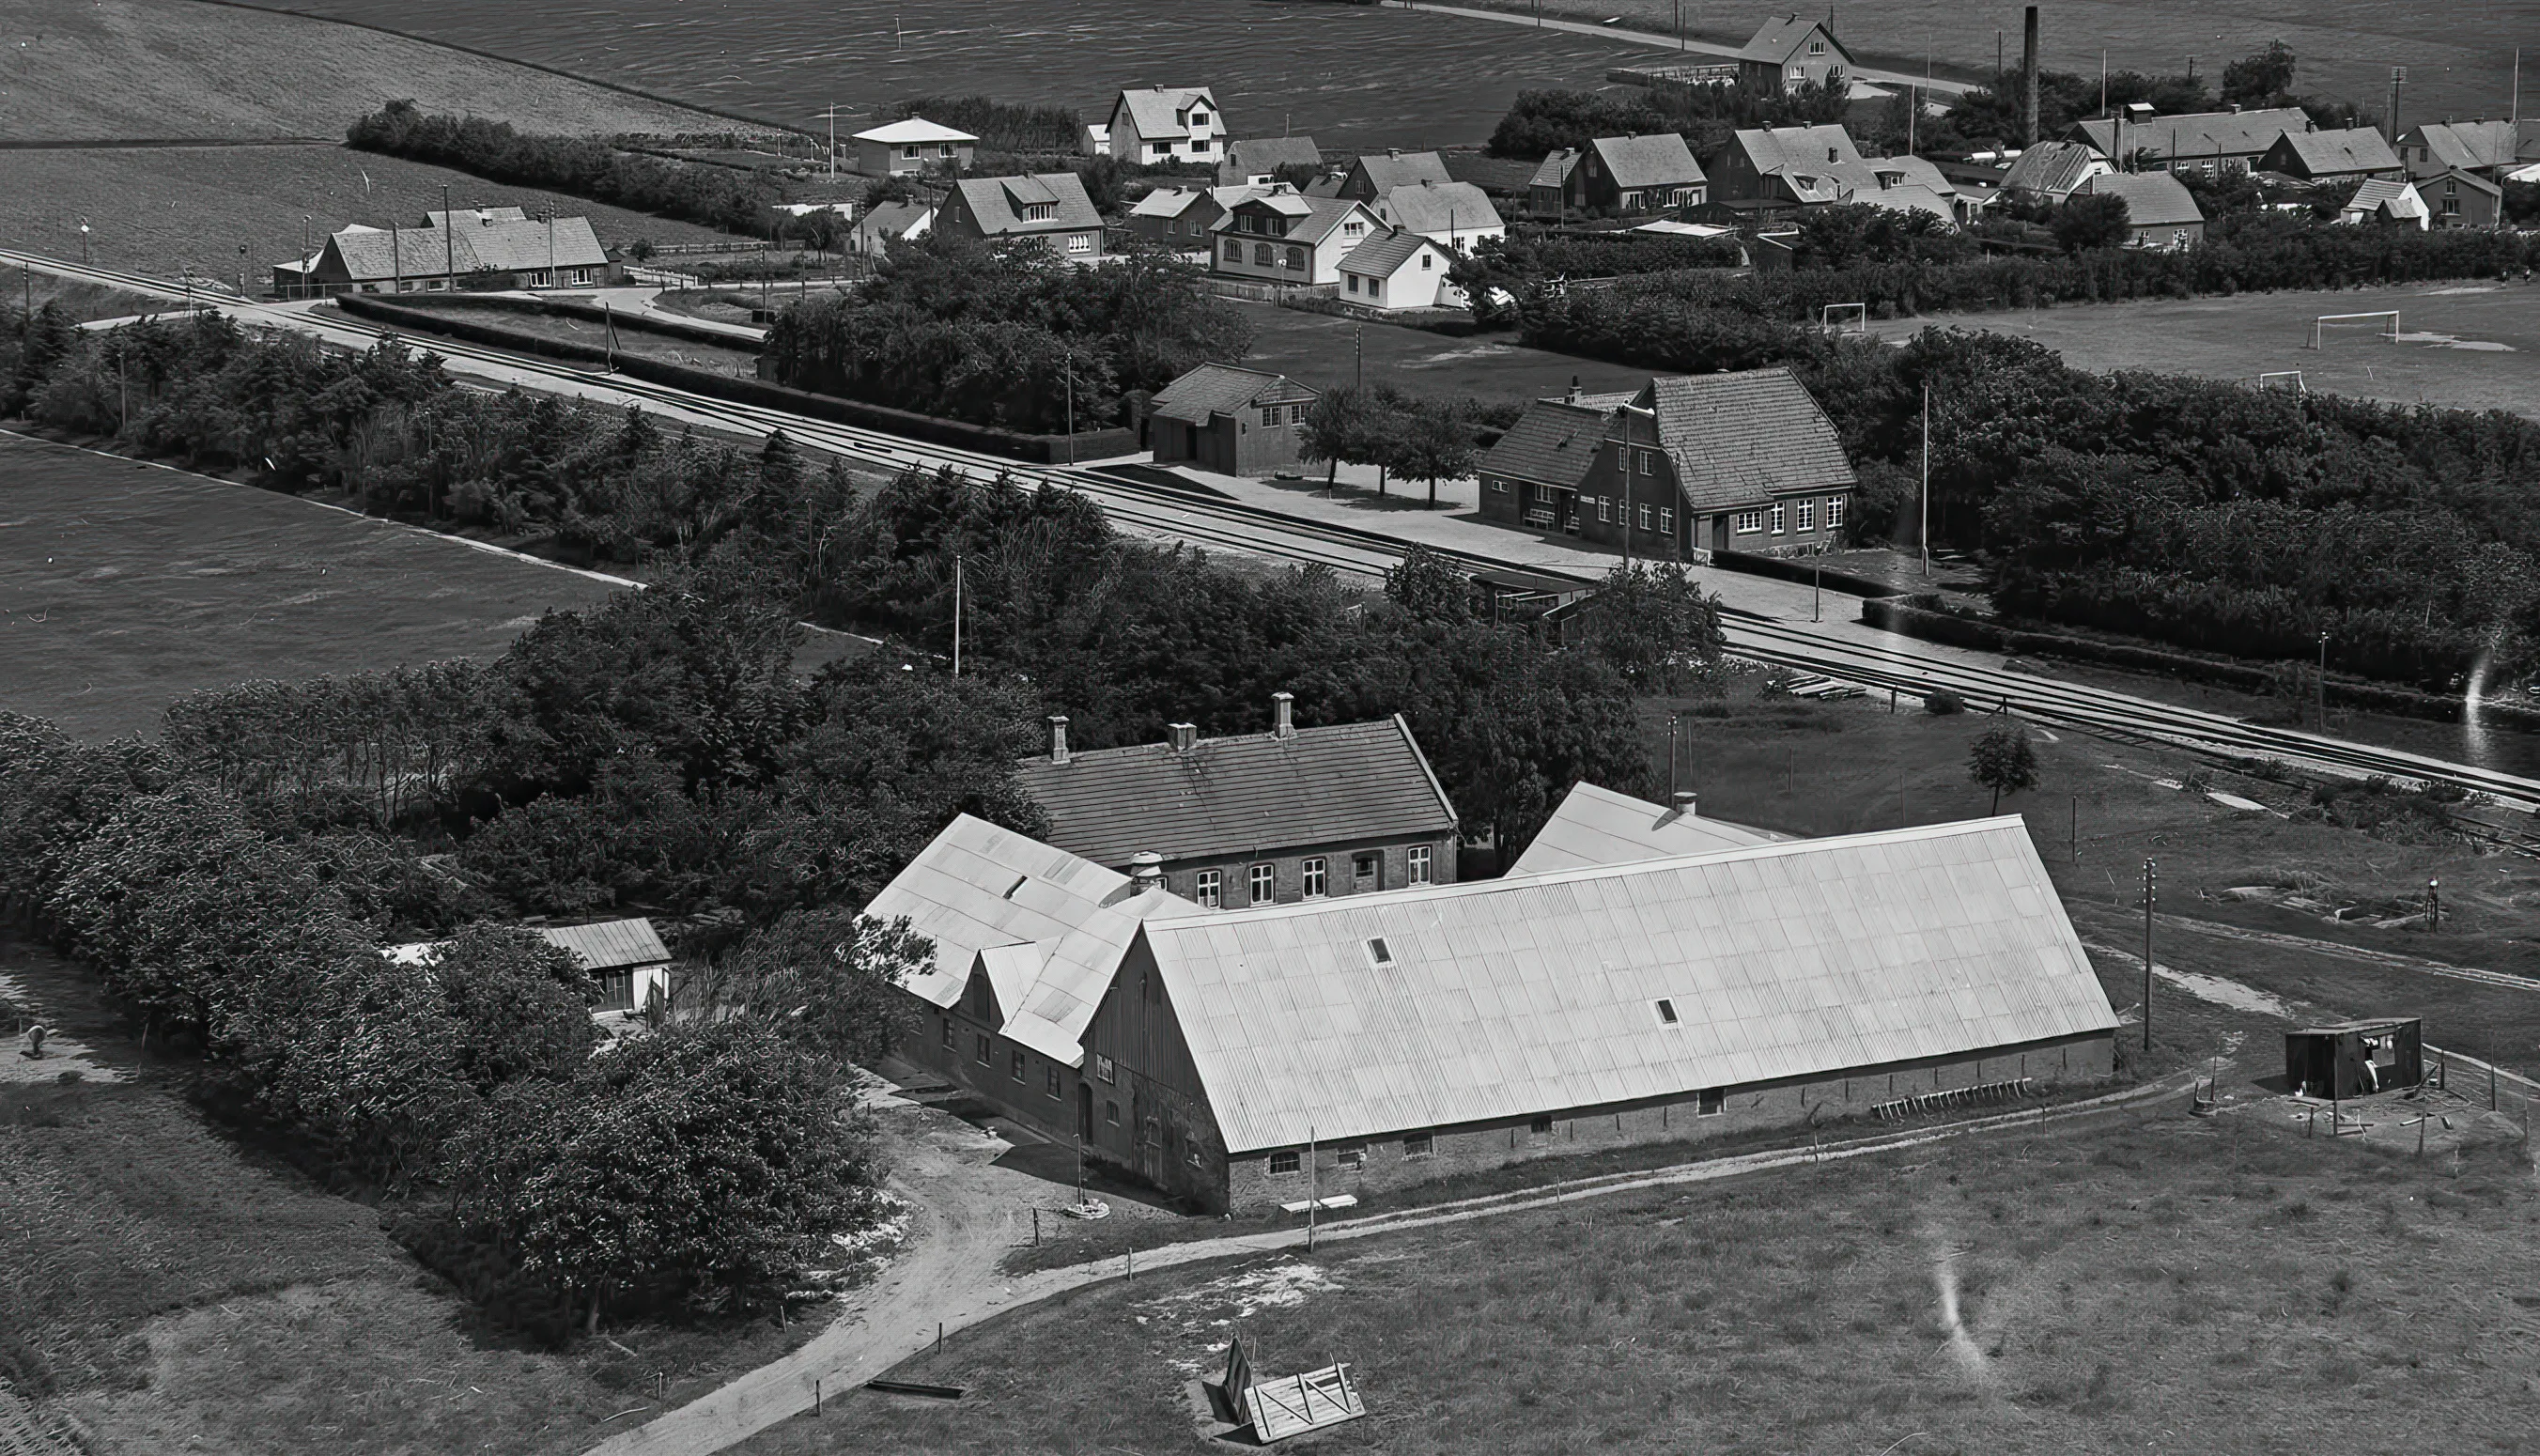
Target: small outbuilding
{"x": 2355, "y": 1059}
{"x": 1230, "y": 420}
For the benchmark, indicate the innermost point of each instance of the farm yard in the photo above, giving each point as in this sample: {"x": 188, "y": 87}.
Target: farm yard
{"x": 2461, "y": 345}
{"x": 123, "y": 586}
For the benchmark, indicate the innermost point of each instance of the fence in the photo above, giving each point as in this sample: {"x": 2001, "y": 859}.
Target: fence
{"x": 1271, "y": 292}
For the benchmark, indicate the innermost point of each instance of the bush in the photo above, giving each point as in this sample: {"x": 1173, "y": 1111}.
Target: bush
{"x": 1943, "y": 703}
{"x": 711, "y": 196}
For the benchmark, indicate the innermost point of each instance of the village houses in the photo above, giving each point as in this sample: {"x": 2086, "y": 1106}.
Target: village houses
{"x": 1050, "y": 208}
{"x": 1178, "y": 123}
{"x": 1282, "y": 236}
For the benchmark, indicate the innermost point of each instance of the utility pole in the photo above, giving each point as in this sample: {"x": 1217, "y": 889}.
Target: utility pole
{"x": 2323, "y": 682}
{"x": 2514, "y": 108}
{"x": 1313, "y": 1188}
{"x": 2398, "y": 78}
{"x": 304, "y": 240}
{"x": 1816, "y": 599}
{"x": 449, "y": 244}
{"x": 1923, "y": 532}
{"x": 2148, "y": 873}
{"x": 1673, "y": 721}
{"x": 1069, "y": 356}
{"x": 2434, "y": 906}
{"x": 956, "y": 615}
{"x": 1358, "y": 344}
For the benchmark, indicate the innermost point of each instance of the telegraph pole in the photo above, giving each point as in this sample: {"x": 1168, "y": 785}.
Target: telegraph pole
{"x": 1923, "y": 534}
{"x": 957, "y": 616}
{"x": 2148, "y": 873}
{"x": 2323, "y": 682}
{"x": 448, "y": 242}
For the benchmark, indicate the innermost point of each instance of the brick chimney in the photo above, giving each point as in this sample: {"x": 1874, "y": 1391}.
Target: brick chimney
{"x": 1184, "y": 737}
{"x": 1057, "y": 738}
{"x": 1573, "y": 397}
{"x": 1283, "y": 714}
{"x": 2028, "y": 78}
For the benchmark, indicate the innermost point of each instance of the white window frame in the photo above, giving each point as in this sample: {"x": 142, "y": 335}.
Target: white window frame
{"x": 1316, "y": 874}
{"x": 1295, "y": 1163}
{"x": 1648, "y": 463}
{"x": 1423, "y": 864}
{"x": 1645, "y": 515}
{"x": 1208, "y": 889}
{"x": 1806, "y": 519}
{"x": 1834, "y": 511}
{"x": 1666, "y": 519}
{"x": 1748, "y": 523}
{"x": 1080, "y": 242}
{"x": 1605, "y": 509}
{"x": 1261, "y": 885}
{"x": 1104, "y": 1070}
{"x": 1781, "y": 514}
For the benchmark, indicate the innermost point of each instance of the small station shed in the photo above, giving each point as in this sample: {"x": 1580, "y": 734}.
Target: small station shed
{"x": 2355, "y": 1059}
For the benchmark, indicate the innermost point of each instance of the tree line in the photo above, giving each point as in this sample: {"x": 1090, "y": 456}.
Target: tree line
{"x": 716, "y": 197}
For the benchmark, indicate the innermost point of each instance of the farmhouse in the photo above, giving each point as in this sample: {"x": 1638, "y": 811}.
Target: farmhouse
{"x": 1740, "y": 461}
{"x": 2161, "y": 213}
{"x": 1233, "y": 421}
{"x": 626, "y": 957}
{"x": 905, "y": 148}
{"x": 2350, "y": 154}
{"x": 1397, "y": 270}
{"x": 1176, "y": 123}
{"x": 1284, "y": 238}
{"x": 1790, "y": 51}
{"x": 1296, "y": 813}
{"x": 1050, "y": 208}
{"x": 479, "y": 247}
{"x": 2210, "y": 142}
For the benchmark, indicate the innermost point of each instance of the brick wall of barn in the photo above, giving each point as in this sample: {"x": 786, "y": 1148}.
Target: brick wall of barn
{"x": 1387, "y": 1162}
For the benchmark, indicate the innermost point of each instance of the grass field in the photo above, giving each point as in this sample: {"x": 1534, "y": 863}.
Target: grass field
{"x": 741, "y": 362}
{"x": 2162, "y": 1284}
{"x": 158, "y": 210}
{"x": 1322, "y": 350}
{"x": 125, "y": 70}
{"x": 124, "y": 585}
{"x": 82, "y": 301}
{"x": 2462, "y": 345}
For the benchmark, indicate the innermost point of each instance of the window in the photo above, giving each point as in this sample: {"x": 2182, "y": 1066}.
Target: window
{"x": 1297, "y": 259}
{"x": 1497, "y": 483}
{"x": 1807, "y": 512}
{"x": 1427, "y": 263}
{"x": 1749, "y": 522}
{"x": 1376, "y": 288}
{"x": 1234, "y": 251}
{"x": 1206, "y": 886}
{"x": 1269, "y": 415}
{"x": 1020, "y": 1066}
{"x": 1080, "y": 242}
{"x": 616, "y": 990}
{"x": 1264, "y": 255}
{"x": 1604, "y": 507}
{"x": 1417, "y": 1144}
{"x": 1260, "y": 883}
{"x": 1353, "y": 282}
{"x": 1541, "y": 1127}
{"x": 1666, "y": 519}
{"x": 1781, "y": 518}
{"x": 1161, "y": 148}
{"x": 1284, "y": 1163}
{"x": 1834, "y": 511}
{"x": 1353, "y": 1155}
{"x": 1049, "y": 1085}
{"x": 1631, "y": 200}
{"x": 1709, "y": 1102}
{"x": 1648, "y": 463}
{"x": 1313, "y": 872}
{"x": 1665, "y": 1011}
{"x": 1378, "y": 952}
{"x": 1816, "y": 47}
{"x": 1644, "y": 517}
{"x": 981, "y": 1050}
{"x": 1037, "y": 211}
{"x": 948, "y": 1031}
{"x": 1104, "y": 1068}
{"x": 1112, "y": 1113}
{"x": 908, "y": 154}
{"x": 1422, "y": 855}
{"x": 1367, "y": 871}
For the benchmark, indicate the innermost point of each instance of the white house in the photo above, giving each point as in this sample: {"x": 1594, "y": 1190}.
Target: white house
{"x": 1172, "y": 123}
{"x": 887, "y": 223}
{"x": 1399, "y": 269}
{"x": 2387, "y": 200}
{"x": 904, "y": 147}
{"x": 1286, "y": 238}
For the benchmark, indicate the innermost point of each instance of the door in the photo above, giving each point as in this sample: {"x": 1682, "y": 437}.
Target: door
{"x": 1720, "y": 532}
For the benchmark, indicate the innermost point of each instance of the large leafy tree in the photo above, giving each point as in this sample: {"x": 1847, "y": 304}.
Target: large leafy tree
{"x": 825, "y": 980}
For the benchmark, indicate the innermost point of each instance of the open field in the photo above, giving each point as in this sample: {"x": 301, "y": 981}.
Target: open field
{"x": 159, "y": 210}
{"x": 82, "y": 301}
{"x": 2462, "y": 345}
{"x": 1320, "y": 349}
{"x": 124, "y": 585}
{"x": 2160, "y": 1282}
{"x": 127, "y": 70}
{"x": 739, "y": 362}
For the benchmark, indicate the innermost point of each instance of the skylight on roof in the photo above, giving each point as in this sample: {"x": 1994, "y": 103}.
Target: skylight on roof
{"x": 1667, "y": 1012}
{"x": 1020, "y": 881}
{"x": 1378, "y": 952}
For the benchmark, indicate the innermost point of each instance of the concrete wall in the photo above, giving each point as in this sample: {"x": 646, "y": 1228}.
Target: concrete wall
{"x": 1252, "y": 1188}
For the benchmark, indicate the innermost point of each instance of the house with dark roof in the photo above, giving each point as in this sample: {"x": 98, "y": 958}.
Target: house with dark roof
{"x": 2210, "y": 142}
{"x": 1233, "y": 421}
{"x": 1166, "y": 123}
{"x": 1688, "y": 464}
{"x": 1790, "y": 51}
{"x": 1284, "y": 238}
{"x": 2161, "y": 213}
{"x": 1397, "y": 270}
{"x": 1294, "y": 814}
{"x": 1371, "y": 177}
{"x": 1768, "y": 173}
{"x": 481, "y": 247}
{"x": 2487, "y": 148}
{"x": 2051, "y": 171}
{"x": 1623, "y": 175}
{"x": 1264, "y": 156}
{"x": 2345, "y": 155}
{"x": 1049, "y": 208}
{"x": 1547, "y": 191}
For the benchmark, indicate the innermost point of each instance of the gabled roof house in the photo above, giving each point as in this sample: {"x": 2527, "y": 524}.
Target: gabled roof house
{"x": 2201, "y": 141}
{"x": 1168, "y": 123}
{"x": 1230, "y": 420}
{"x": 2348, "y": 154}
{"x": 1284, "y": 238}
{"x": 1792, "y": 50}
{"x": 1049, "y": 207}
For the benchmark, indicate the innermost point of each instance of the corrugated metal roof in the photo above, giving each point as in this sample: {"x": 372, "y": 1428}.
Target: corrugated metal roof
{"x": 1594, "y": 825}
{"x": 1223, "y": 390}
{"x": 2154, "y": 199}
{"x": 603, "y": 945}
{"x": 1554, "y": 443}
{"x": 1335, "y": 784}
{"x": 2052, "y": 168}
{"x": 1738, "y": 439}
{"x": 1046, "y": 927}
{"x": 1501, "y": 998}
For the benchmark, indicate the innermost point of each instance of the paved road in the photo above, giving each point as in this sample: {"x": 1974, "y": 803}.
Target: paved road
{"x": 1898, "y": 80}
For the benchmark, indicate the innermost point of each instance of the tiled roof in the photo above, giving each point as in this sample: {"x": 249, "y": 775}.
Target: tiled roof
{"x": 1661, "y": 159}
{"x": 1553, "y": 443}
{"x": 1501, "y": 998}
{"x": 1779, "y": 38}
{"x": 2154, "y": 199}
{"x": 1440, "y": 207}
{"x": 1156, "y": 111}
{"x": 1738, "y": 439}
{"x": 1046, "y": 927}
{"x": 1406, "y": 170}
{"x": 1258, "y": 156}
{"x": 1221, "y": 388}
{"x": 1554, "y": 171}
{"x": 993, "y": 202}
{"x": 1597, "y": 826}
{"x": 1381, "y": 254}
{"x": 1326, "y": 214}
{"x": 2052, "y": 168}
{"x": 913, "y": 131}
{"x": 2341, "y": 153}
{"x": 1772, "y": 149}
{"x": 2192, "y": 134}
{"x": 370, "y": 253}
{"x": 1168, "y": 202}
{"x": 1337, "y": 785}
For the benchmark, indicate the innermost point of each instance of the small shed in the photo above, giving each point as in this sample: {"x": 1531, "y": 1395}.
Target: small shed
{"x": 2355, "y": 1059}
{"x": 1230, "y": 420}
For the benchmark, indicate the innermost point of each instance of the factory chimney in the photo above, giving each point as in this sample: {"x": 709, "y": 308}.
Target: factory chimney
{"x": 2029, "y": 79}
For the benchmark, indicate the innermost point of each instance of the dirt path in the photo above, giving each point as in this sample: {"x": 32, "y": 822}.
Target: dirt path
{"x": 950, "y": 1273}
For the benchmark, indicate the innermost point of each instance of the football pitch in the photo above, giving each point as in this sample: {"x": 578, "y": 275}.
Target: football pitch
{"x": 2463, "y": 345}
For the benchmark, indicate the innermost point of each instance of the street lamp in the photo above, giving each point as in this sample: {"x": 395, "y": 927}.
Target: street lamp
{"x": 2323, "y": 680}
{"x": 82, "y": 243}
{"x": 305, "y": 268}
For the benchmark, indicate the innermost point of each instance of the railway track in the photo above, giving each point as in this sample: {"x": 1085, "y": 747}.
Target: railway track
{"x": 1890, "y": 663}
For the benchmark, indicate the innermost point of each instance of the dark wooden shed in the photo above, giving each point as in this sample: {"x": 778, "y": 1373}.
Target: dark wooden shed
{"x": 2355, "y": 1059}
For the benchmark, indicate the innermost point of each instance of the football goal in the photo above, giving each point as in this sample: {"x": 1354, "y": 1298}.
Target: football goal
{"x": 2329, "y": 326}
{"x": 2282, "y": 380}
{"x": 1840, "y": 318}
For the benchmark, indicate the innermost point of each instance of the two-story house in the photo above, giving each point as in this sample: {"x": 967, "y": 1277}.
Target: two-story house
{"x": 1625, "y": 174}
{"x": 1790, "y": 51}
{"x": 1769, "y": 172}
{"x": 1283, "y": 236}
{"x": 1457, "y": 216}
{"x": 1296, "y": 813}
{"x": 1166, "y": 123}
{"x": 1370, "y": 176}
{"x": 2491, "y": 149}
{"x": 1741, "y": 461}
{"x": 2462, "y": 199}
{"x": 1048, "y": 207}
